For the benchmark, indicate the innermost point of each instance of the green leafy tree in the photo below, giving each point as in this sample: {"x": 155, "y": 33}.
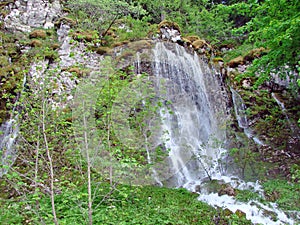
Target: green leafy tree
{"x": 275, "y": 25}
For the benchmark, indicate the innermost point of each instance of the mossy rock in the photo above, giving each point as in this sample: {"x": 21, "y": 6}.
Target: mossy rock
{"x": 66, "y": 10}
{"x": 227, "y": 212}
{"x": 65, "y": 20}
{"x": 240, "y": 213}
{"x": 117, "y": 44}
{"x": 254, "y": 53}
{"x": 5, "y": 3}
{"x": 83, "y": 35}
{"x": 186, "y": 41}
{"x": 55, "y": 46}
{"x": 193, "y": 38}
{"x": 169, "y": 24}
{"x": 102, "y": 50}
{"x": 75, "y": 70}
{"x": 236, "y": 61}
{"x": 138, "y": 45}
{"x": 125, "y": 55}
{"x": 218, "y": 59}
{"x": 226, "y": 189}
{"x": 35, "y": 43}
{"x": 199, "y": 44}
{"x": 38, "y": 34}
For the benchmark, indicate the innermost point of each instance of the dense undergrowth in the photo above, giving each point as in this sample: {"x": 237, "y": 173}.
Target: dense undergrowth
{"x": 125, "y": 205}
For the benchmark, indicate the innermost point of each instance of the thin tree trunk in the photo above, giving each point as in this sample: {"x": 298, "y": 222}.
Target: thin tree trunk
{"x": 36, "y": 169}
{"x": 50, "y": 164}
{"x": 90, "y": 202}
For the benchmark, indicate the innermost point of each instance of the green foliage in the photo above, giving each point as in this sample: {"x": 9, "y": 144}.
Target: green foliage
{"x": 247, "y": 195}
{"x": 295, "y": 172}
{"x": 101, "y": 15}
{"x": 285, "y": 194}
{"x": 129, "y": 150}
{"x": 246, "y": 160}
{"x": 133, "y": 29}
{"x": 278, "y": 32}
{"x": 240, "y": 50}
{"x": 125, "y": 205}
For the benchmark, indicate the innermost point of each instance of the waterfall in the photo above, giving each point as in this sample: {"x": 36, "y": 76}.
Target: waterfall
{"x": 193, "y": 131}
{"x": 9, "y": 131}
{"x": 8, "y": 134}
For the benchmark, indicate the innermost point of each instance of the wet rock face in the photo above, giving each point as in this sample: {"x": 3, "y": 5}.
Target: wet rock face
{"x": 28, "y": 14}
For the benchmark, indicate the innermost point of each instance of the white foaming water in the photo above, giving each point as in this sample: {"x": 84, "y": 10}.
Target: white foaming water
{"x": 254, "y": 210}
{"x": 192, "y": 132}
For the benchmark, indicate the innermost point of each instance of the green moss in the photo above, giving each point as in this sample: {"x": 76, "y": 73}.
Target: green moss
{"x": 117, "y": 44}
{"x": 4, "y": 61}
{"x": 217, "y": 59}
{"x": 285, "y": 194}
{"x": 240, "y": 50}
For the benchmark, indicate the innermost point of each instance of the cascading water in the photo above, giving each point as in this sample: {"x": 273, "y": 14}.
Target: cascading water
{"x": 193, "y": 131}
{"x": 8, "y": 134}
{"x": 9, "y": 131}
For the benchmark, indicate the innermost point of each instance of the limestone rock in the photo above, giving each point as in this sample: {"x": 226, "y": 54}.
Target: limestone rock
{"x": 27, "y": 14}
